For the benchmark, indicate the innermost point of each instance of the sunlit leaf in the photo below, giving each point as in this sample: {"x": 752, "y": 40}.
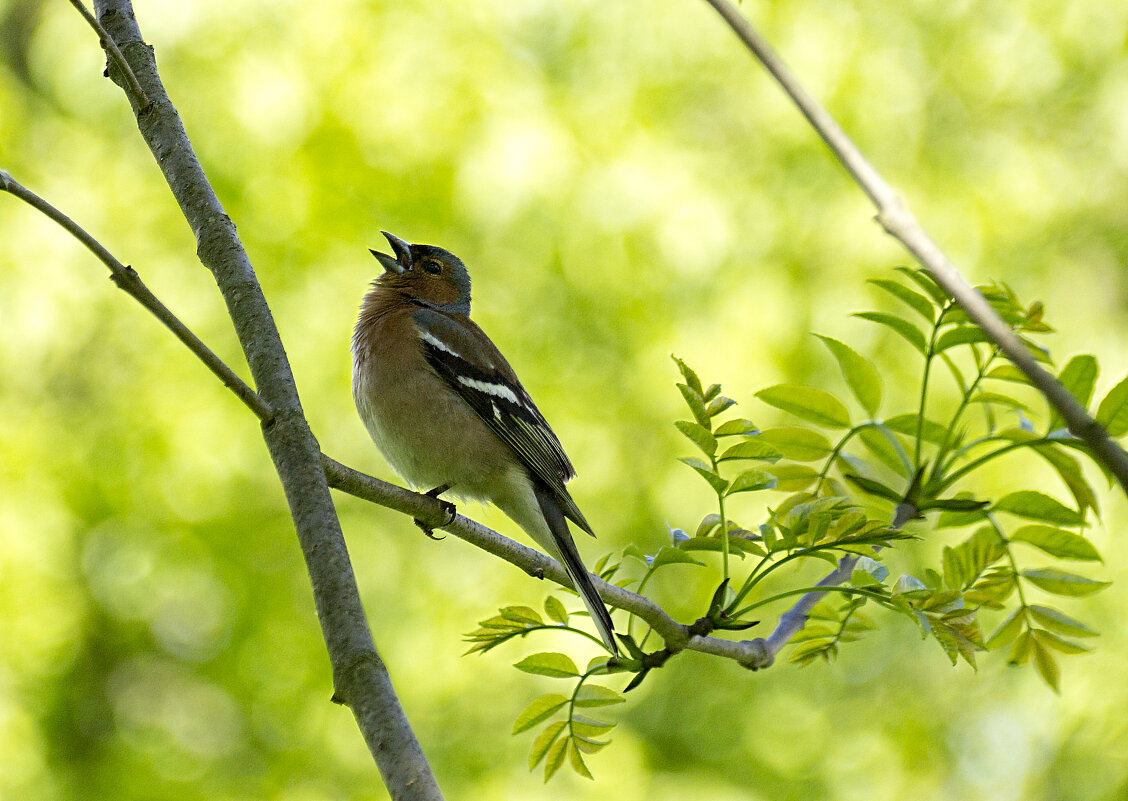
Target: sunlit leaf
{"x": 1060, "y": 622}
{"x": 540, "y": 709}
{"x": 925, "y": 282}
{"x": 577, "y": 761}
{"x": 597, "y": 695}
{"x": 551, "y": 664}
{"x": 555, "y": 757}
{"x": 1007, "y": 630}
{"x": 1079, "y": 375}
{"x": 555, "y": 609}
{"x": 1051, "y": 640}
{"x": 797, "y": 444}
{"x": 754, "y": 448}
{"x": 690, "y": 376}
{"x": 699, "y": 435}
{"x": 1035, "y": 505}
{"x": 907, "y": 424}
{"x": 1057, "y": 542}
{"x": 808, "y": 403}
{"x": 1061, "y": 583}
{"x": 1046, "y": 664}
{"x": 706, "y": 472}
{"x": 1113, "y": 411}
{"x": 910, "y": 332}
{"x": 792, "y": 477}
{"x": 544, "y": 741}
{"x": 739, "y": 426}
{"x": 521, "y": 614}
{"x": 696, "y": 405}
{"x": 1008, "y": 372}
{"x": 861, "y": 376}
{"x": 963, "y": 335}
{"x": 922, "y": 305}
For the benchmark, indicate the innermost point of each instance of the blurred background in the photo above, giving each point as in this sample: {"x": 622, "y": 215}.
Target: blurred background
{"x": 623, "y": 183}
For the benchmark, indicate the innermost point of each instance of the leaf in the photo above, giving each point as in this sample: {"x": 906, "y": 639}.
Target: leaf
{"x": 597, "y": 695}
{"x": 718, "y": 405}
{"x": 551, "y": 664}
{"x": 734, "y": 427}
{"x": 923, "y": 306}
{"x": 699, "y": 435}
{"x": 521, "y": 614}
{"x": 753, "y": 448}
{"x": 907, "y": 424}
{"x": 881, "y": 442}
{"x": 1070, "y": 473}
{"x": 544, "y": 741}
{"x": 1113, "y": 411}
{"x": 577, "y": 760}
{"x": 1052, "y": 640}
{"x": 690, "y": 377}
{"x": 1008, "y": 372}
{"x": 1061, "y": 583}
{"x": 792, "y": 477}
{"x": 667, "y": 556}
{"x": 1007, "y": 630}
{"x": 861, "y": 376}
{"x": 963, "y": 335}
{"x": 590, "y": 727}
{"x": 910, "y": 332}
{"x": 808, "y": 403}
{"x": 555, "y": 609}
{"x": 998, "y": 399}
{"x": 1035, "y": 505}
{"x": 555, "y": 757}
{"x": 696, "y": 405}
{"x": 925, "y": 282}
{"x": 540, "y": 709}
{"x": 1078, "y": 376}
{"x": 798, "y": 444}
{"x": 874, "y": 487}
{"x": 1057, "y": 542}
{"x": 1059, "y": 622}
{"x": 718, "y": 484}
{"x": 1046, "y": 664}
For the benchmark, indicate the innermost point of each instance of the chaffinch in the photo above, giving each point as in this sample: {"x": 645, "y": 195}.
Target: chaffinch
{"x": 448, "y": 412}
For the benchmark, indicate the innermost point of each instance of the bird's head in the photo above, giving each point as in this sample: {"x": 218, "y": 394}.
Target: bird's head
{"x": 427, "y": 273}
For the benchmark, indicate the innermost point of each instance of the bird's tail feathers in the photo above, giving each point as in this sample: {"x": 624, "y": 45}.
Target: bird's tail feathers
{"x": 581, "y": 578}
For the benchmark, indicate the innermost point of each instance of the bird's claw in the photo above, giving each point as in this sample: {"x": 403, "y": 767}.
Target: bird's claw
{"x": 448, "y": 507}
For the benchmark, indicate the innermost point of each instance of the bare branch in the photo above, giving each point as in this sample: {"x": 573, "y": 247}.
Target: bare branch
{"x": 132, "y": 88}
{"x": 360, "y": 679}
{"x": 900, "y": 223}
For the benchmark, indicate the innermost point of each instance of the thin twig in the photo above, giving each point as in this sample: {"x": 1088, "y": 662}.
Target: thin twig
{"x": 134, "y": 87}
{"x": 126, "y": 278}
{"x": 900, "y": 223}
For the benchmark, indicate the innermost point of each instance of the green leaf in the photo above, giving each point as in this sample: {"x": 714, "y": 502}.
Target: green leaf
{"x": 1059, "y": 582}
{"x": 998, "y": 399}
{"x": 589, "y": 727}
{"x": 963, "y": 335}
{"x": 1057, "y": 542}
{"x": 923, "y": 306}
{"x": 740, "y": 426}
{"x": 551, "y": 664}
{"x": 540, "y": 709}
{"x": 752, "y": 480}
{"x": 907, "y": 424}
{"x": 1035, "y": 505}
{"x": 690, "y": 377}
{"x": 910, "y": 332}
{"x": 1007, "y": 630}
{"x": 578, "y": 764}
{"x": 521, "y": 614}
{"x": 1070, "y": 473}
{"x": 1008, "y": 372}
{"x": 555, "y": 609}
{"x": 881, "y": 442}
{"x": 1113, "y": 411}
{"x": 798, "y": 444}
{"x": 1046, "y": 664}
{"x": 699, "y": 435}
{"x": 808, "y": 403}
{"x": 1059, "y": 622}
{"x": 1078, "y": 376}
{"x": 1052, "y": 640}
{"x": 792, "y": 477}
{"x": 861, "y": 376}
{"x": 555, "y": 757}
{"x": 668, "y": 555}
{"x": 706, "y": 472}
{"x": 925, "y": 282}
{"x": 696, "y": 405}
{"x": 544, "y": 741}
{"x": 597, "y": 695}
{"x": 753, "y": 448}
{"x": 718, "y": 405}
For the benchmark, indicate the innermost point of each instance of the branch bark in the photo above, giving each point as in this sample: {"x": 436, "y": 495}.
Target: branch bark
{"x": 359, "y": 676}
{"x": 898, "y": 221}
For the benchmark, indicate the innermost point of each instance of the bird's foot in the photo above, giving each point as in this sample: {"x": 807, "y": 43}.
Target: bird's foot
{"x": 448, "y": 507}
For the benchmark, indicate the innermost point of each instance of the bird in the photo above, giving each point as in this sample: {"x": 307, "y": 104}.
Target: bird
{"x": 449, "y": 414}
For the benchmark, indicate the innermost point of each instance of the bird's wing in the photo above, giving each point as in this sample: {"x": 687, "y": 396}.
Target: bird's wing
{"x": 461, "y": 353}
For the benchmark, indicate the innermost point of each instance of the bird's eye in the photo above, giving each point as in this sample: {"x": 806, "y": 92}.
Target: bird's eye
{"x": 432, "y": 267}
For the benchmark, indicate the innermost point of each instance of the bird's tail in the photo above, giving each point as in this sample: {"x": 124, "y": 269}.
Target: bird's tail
{"x": 570, "y": 558}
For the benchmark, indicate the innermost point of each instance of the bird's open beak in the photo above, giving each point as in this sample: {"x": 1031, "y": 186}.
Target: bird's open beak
{"x": 402, "y": 261}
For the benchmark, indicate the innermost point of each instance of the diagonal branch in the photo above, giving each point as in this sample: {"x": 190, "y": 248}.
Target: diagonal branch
{"x": 132, "y": 87}
{"x": 898, "y": 221}
{"x": 359, "y": 676}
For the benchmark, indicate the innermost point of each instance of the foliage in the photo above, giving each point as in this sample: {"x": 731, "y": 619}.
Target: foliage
{"x": 912, "y": 465}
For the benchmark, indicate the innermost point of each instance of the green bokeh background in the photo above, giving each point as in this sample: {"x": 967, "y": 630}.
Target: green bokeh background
{"x": 623, "y": 183}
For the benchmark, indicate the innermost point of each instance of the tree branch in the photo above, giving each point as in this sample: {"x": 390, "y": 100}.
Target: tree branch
{"x": 900, "y": 223}
{"x": 359, "y": 676}
{"x": 132, "y": 87}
